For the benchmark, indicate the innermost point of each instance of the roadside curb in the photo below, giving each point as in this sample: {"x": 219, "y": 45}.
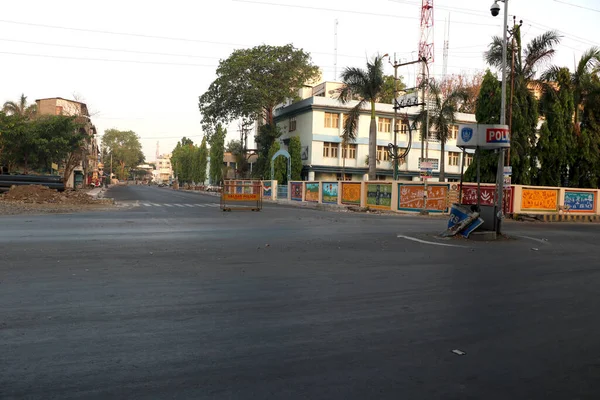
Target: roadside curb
{"x": 557, "y": 217}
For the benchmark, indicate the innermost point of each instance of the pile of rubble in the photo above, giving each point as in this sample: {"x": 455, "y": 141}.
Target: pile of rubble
{"x": 36, "y": 194}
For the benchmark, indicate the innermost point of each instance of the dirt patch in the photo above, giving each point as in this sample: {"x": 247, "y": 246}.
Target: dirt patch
{"x": 36, "y": 194}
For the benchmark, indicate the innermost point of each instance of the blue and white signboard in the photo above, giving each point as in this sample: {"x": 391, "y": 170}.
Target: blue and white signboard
{"x": 459, "y": 214}
{"x": 491, "y": 136}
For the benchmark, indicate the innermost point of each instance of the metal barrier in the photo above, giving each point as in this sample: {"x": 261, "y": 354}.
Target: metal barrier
{"x": 241, "y": 195}
{"x": 282, "y": 192}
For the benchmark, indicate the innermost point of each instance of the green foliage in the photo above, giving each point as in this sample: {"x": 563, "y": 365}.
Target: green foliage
{"x": 37, "y": 143}
{"x": 295, "y": 150}
{"x": 20, "y": 108}
{"x": 217, "y": 153}
{"x": 251, "y": 82}
{"x": 523, "y": 133}
{"x": 189, "y": 161}
{"x": 442, "y": 114}
{"x": 279, "y": 166}
{"x": 203, "y": 161}
{"x": 387, "y": 93}
{"x": 555, "y": 146}
{"x": 367, "y": 85}
{"x": 487, "y": 112}
{"x": 266, "y": 137}
{"x": 126, "y": 151}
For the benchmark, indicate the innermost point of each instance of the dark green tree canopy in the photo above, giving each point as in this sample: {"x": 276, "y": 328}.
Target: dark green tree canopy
{"x": 387, "y": 92}
{"x": 125, "y": 148}
{"x": 251, "y": 82}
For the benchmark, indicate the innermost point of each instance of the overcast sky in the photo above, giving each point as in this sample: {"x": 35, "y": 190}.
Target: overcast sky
{"x": 141, "y": 65}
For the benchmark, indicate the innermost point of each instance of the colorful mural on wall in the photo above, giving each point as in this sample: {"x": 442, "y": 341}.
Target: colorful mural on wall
{"x": 296, "y": 191}
{"x": 488, "y": 196}
{"x": 580, "y": 201}
{"x": 330, "y": 192}
{"x": 312, "y": 191}
{"x": 410, "y": 197}
{"x": 379, "y": 195}
{"x": 539, "y": 199}
{"x": 350, "y": 193}
{"x": 267, "y": 188}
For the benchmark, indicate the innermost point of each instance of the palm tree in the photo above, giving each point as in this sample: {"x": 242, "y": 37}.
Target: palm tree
{"x": 20, "y": 108}
{"x": 588, "y": 65}
{"x": 348, "y": 136}
{"x": 367, "y": 85}
{"x": 442, "y": 114}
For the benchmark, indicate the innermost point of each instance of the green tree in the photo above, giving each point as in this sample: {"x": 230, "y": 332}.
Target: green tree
{"x": 367, "y": 85}
{"x": 279, "y": 166}
{"x": 20, "y": 108}
{"x": 295, "y": 150}
{"x": 387, "y": 92}
{"x": 555, "y": 146}
{"x": 251, "y": 82}
{"x": 217, "y": 153}
{"x": 486, "y": 112}
{"x": 125, "y": 148}
{"x": 182, "y": 159}
{"x": 524, "y": 113}
{"x": 586, "y": 165}
{"x": 442, "y": 114}
{"x": 203, "y": 160}
{"x": 267, "y": 135}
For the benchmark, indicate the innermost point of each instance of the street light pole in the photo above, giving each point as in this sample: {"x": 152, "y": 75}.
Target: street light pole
{"x": 500, "y": 172}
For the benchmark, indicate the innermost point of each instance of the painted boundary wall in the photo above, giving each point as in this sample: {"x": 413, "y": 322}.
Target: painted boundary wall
{"x": 408, "y": 196}
{"x": 269, "y": 188}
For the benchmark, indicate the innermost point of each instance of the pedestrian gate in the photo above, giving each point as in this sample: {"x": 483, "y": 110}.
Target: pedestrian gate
{"x": 241, "y": 195}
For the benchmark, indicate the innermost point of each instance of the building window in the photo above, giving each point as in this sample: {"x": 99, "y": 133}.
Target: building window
{"x": 292, "y": 124}
{"x": 453, "y": 158}
{"x": 382, "y": 153}
{"x": 332, "y": 120}
{"x": 401, "y": 127}
{"x": 469, "y": 159}
{"x": 330, "y": 150}
{"x": 453, "y": 132}
{"x": 384, "y": 125}
{"x": 349, "y": 151}
{"x": 347, "y": 177}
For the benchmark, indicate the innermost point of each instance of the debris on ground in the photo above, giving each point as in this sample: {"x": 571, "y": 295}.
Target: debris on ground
{"x": 36, "y": 199}
{"x": 36, "y": 194}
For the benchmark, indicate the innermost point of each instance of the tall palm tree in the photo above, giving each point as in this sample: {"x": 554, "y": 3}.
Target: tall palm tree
{"x": 442, "y": 114}
{"x": 348, "y": 137}
{"x": 366, "y": 85}
{"x": 20, "y": 108}
{"x": 588, "y": 65}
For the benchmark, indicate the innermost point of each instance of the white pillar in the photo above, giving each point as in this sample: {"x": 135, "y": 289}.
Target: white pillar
{"x": 311, "y": 175}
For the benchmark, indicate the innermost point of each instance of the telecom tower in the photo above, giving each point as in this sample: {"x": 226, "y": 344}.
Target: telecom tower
{"x": 426, "y": 37}
{"x": 157, "y": 153}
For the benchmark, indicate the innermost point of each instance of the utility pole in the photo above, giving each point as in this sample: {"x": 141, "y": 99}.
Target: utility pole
{"x": 394, "y": 155}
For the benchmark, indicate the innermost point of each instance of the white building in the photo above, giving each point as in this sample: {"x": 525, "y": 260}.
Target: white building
{"x": 164, "y": 170}
{"x": 317, "y": 121}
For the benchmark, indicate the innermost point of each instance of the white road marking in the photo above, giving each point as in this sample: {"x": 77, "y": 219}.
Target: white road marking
{"x": 433, "y": 243}
{"x": 534, "y": 239}
{"x": 179, "y": 205}
{"x": 157, "y": 205}
{"x": 189, "y": 205}
{"x": 147, "y": 205}
{"x": 169, "y": 205}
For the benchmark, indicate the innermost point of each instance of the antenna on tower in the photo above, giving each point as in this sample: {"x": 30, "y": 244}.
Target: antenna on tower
{"x": 426, "y": 37}
{"x": 446, "y": 46}
{"x": 335, "y": 49}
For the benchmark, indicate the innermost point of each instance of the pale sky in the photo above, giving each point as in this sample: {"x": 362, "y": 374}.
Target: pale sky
{"x": 101, "y": 49}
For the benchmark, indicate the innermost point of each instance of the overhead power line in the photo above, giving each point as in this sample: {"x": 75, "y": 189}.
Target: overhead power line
{"x": 578, "y": 6}
{"x": 348, "y": 11}
{"x": 106, "y": 49}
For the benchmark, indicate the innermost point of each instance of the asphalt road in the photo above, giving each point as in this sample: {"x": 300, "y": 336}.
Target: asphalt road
{"x": 191, "y": 302}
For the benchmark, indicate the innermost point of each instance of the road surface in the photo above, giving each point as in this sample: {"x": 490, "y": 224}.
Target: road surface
{"x": 173, "y": 298}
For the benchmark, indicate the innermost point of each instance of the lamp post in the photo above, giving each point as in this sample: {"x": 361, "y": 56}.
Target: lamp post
{"x": 495, "y": 9}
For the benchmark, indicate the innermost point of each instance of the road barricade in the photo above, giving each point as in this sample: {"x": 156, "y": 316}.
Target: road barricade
{"x": 241, "y": 195}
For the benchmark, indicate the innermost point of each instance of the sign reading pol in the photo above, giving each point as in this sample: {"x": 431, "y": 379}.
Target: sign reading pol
{"x": 484, "y": 136}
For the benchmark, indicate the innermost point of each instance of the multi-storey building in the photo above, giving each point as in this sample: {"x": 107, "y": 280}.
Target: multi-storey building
{"x": 318, "y": 122}
{"x": 164, "y": 170}
{"x": 87, "y": 170}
